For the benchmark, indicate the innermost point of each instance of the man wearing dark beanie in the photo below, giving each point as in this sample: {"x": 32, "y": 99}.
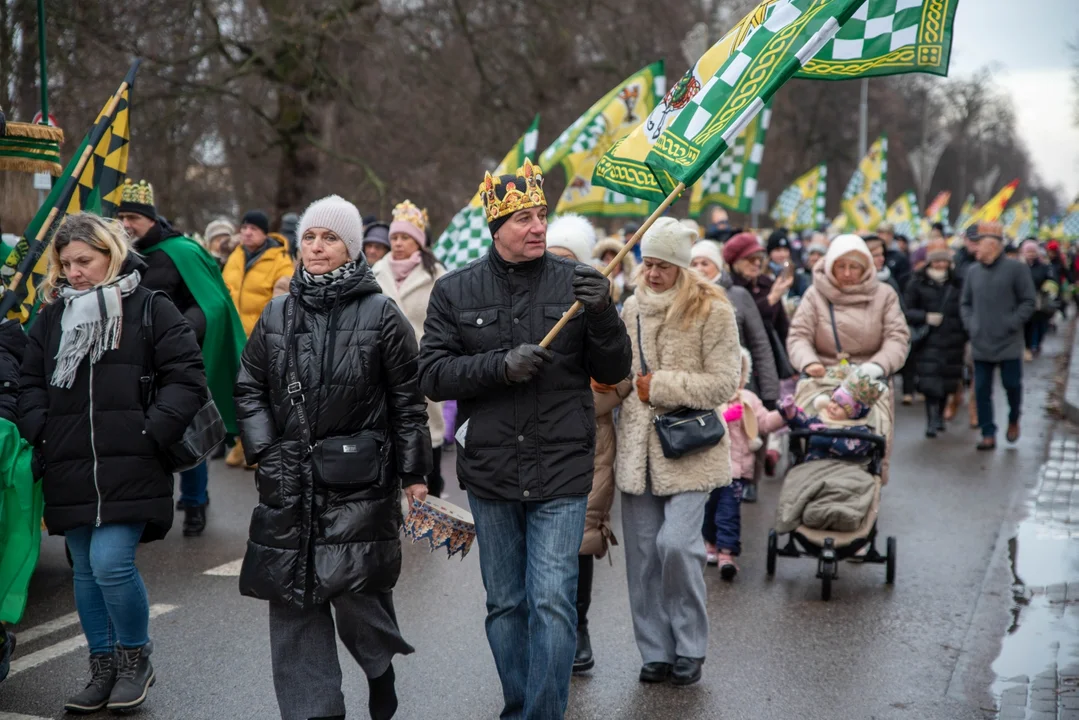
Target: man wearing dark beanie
{"x": 251, "y": 272}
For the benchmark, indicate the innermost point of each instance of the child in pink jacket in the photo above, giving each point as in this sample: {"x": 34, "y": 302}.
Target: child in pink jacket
{"x": 747, "y": 419}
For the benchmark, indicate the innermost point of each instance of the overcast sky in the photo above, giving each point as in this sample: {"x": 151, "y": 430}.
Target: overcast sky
{"x": 1026, "y": 41}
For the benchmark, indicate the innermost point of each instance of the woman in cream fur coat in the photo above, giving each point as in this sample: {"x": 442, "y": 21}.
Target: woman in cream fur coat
{"x": 690, "y": 341}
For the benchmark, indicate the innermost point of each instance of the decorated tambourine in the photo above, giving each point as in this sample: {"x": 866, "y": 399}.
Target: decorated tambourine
{"x": 442, "y": 524}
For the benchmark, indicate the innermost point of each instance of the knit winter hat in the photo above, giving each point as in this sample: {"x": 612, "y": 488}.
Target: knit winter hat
{"x": 778, "y": 239}
{"x": 846, "y": 245}
{"x": 936, "y": 250}
{"x": 258, "y": 219}
{"x": 574, "y": 233}
{"x": 221, "y": 226}
{"x": 335, "y": 213}
{"x": 410, "y": 220}
{"x": 377, "y": 232}
{"x": 741, "y": 246}
{"x": 670, "y": 241}
{"x": 707, "y": 249}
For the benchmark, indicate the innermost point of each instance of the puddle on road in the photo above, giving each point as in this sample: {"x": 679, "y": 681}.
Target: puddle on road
{"x": 1041, "y": 555}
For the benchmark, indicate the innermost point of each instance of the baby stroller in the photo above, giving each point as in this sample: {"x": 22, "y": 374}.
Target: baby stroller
{"x": 810, "y": 486}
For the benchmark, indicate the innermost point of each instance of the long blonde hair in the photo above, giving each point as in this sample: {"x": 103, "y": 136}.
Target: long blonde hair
{"x": 102, "y": 234}
{"x": 693, "y": 296}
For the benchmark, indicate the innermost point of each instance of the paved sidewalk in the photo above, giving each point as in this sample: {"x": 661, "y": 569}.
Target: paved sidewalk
{"x": 1043, "y": 639}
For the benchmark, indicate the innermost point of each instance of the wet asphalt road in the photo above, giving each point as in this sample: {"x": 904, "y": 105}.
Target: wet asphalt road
{"x": 920, "y": 649}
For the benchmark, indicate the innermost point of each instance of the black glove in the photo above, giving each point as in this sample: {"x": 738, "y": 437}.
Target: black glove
{"x": 524, "y": 361}
{"x": 591, "y": 289}
{"x": 769, "y": 405}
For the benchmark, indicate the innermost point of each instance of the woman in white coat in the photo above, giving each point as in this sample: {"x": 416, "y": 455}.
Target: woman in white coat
{"x": 689, "y": 339}
{"x": 407, "y": 275}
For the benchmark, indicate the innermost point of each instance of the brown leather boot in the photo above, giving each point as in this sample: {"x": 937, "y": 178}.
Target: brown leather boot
{"x": 952, "y": 407}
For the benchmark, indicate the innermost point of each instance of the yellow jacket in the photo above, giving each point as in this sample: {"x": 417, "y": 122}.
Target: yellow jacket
{"x": 252, "y": 287}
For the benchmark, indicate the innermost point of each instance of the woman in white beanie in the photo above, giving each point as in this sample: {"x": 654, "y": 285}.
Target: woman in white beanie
{"x": 329, "y": 406}
{"x": 686, "y": 355}
{"x": 849, "y": 314}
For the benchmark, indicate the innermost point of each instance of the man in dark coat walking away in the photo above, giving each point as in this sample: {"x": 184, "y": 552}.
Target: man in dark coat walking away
{"x": 526, "y": 428}
{"x": 998, "y": 300}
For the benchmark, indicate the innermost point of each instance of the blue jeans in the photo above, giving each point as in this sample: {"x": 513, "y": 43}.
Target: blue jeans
{"x": 193, "y": 485}
{"x": 1011, "y": 377}
{"x": 109, "y": 594}
{"x": 528, "y": 561}
{"x": 723, "y": 518}
{"x": 1035, "y": 331}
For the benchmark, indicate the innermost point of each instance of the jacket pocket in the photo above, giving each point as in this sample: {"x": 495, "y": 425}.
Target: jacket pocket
{"x": 479, "y": 330}
{"x": 348, "y": 463}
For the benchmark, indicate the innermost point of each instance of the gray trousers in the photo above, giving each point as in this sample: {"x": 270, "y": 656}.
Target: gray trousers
{"x": 303, "y": 650}
{"x": 665, "y": 570}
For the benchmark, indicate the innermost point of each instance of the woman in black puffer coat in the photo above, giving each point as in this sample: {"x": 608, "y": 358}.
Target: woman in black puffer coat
{"x": 331, "y": 536}
{"x": 932, "y": 299}
{"x": 81, "y": 407}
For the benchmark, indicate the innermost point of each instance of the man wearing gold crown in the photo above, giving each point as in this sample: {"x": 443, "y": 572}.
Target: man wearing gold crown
{"x": 183, "y": 269}
{"x": 526, "y": 428}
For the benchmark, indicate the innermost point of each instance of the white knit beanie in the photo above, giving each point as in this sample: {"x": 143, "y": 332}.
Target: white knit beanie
{"x": 574, "y": 233}
{"x": 670, "y": 241}
{"x": 220, "y": 226}
{"x": 335, "y": 213}
{"x": 708, "y": 249}
{"x": 845, "y": 245}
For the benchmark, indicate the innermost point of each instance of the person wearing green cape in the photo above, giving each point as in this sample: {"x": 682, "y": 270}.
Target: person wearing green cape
{"x": 184, "y": 270}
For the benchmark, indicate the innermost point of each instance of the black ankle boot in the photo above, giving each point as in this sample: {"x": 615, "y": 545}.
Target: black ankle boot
{"x": 95, "y": 696}
{"x": 582, "y": 659}
{"x": 932, "y": 418}
{"x": 382, "y": 700}
{"x": 134, "y": 676}
{"x": 194, "y": 521}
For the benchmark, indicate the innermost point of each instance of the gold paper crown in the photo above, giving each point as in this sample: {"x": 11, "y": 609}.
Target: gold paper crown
{"x": 514, "y": 197}
{"x": 407, "y": 212}
{"x": 141, "y": 193}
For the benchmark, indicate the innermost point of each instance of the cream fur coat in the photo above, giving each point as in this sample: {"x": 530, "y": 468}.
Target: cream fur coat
{"x": 698, "y": 368}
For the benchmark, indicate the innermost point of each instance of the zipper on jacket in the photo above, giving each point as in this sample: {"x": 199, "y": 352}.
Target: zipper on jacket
{"x": 93, "y": 448}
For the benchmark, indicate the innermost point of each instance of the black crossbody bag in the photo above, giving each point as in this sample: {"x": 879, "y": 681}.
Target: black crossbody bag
{"x": 347, "y": 463}
{"x": 685, "y": 431}
{"x": 207, "y": 429}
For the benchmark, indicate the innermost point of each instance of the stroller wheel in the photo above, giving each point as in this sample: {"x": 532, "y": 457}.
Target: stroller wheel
{"x": 827, "y": 568}
{"x": 889, "y": 567}
{"x": 773, "y": 550}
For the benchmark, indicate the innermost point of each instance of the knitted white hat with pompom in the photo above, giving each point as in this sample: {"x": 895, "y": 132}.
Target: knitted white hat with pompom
{"x": 574, "y": 233}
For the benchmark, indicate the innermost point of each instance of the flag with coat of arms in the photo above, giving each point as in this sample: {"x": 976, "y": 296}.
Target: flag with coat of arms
{"x": 467, "y": 237}
{"x": 719, "y": 96}
{"x": 903, "y": 215}
{"x": 801, "y": 205}
{"x": 1021, "y": 220}
{"x": 863, "y": 201}
{"x": 582, "y": 144}
{"x": 888, "y": 37}
{"x": 732, "y": 181}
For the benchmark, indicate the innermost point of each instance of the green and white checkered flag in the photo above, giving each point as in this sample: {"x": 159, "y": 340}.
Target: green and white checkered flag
{"x": 801, "y": 206}
{"x": 904, "y": 215}
{"x": 888, "y": 37}
{"x": 467, "y": 237}
{"x": 727, "y": 101}
{"x": 1069, "y": 226}
{"x": 732, "y": 181}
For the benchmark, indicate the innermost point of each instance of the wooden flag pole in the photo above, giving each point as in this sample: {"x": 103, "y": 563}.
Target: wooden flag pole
{"x": 576, "y": 307}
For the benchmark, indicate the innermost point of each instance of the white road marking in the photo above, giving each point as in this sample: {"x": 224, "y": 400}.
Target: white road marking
{"x": 229, "y": 569}
{"x": 29, "y": 635}
{"x": 17, "y": 716}
{"x": 28, "y": 662}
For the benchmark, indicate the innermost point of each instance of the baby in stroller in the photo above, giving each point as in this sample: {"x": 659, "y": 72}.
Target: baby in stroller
{"x": 849, "y": 404}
